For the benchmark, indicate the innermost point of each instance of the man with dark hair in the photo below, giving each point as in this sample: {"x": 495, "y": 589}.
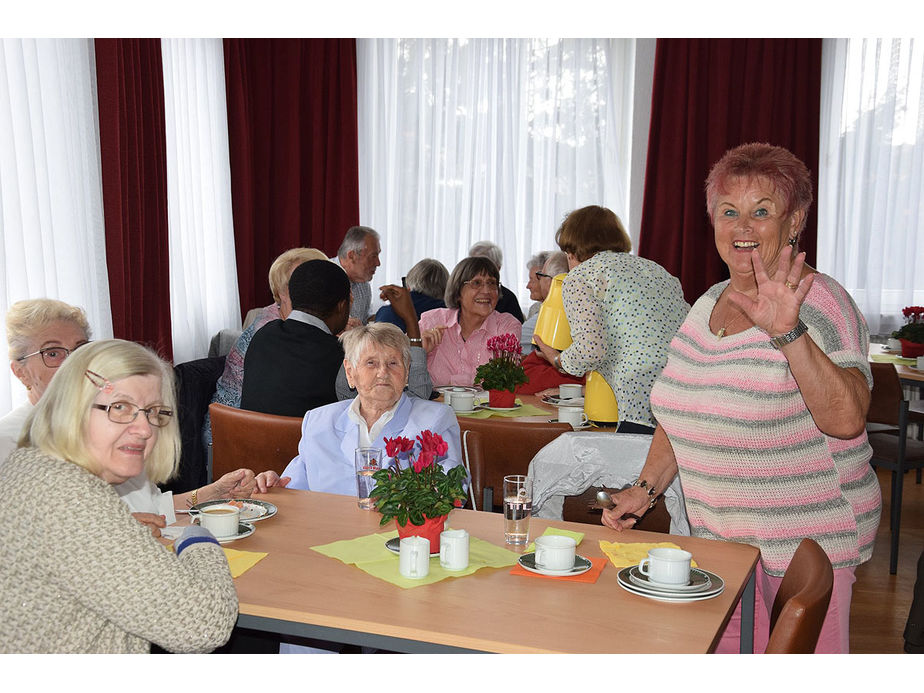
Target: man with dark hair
{"x": 291, "y": 365}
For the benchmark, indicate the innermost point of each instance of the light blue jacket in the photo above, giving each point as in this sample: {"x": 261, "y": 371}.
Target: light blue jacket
{"x": 329, "y": 439}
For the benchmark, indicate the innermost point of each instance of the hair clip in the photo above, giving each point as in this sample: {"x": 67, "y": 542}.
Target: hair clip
{"x": 99, "y": 382}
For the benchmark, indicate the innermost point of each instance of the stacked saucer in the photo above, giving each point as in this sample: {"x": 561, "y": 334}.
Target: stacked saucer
{"x": 702, "y": 585}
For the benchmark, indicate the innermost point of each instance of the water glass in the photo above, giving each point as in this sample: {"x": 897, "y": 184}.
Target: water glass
{"x": 518, "y": 506}
{"x": 368, "y": 461}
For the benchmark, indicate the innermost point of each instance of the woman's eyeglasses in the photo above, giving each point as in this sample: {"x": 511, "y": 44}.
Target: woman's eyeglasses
{"x": 52, "y": 357}
{"x": 126, "y": 412}
{"x": 542, "y": 274}
{"x": 479, "y": 284}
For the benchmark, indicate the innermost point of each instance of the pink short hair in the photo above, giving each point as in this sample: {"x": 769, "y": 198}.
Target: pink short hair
{"x": 785, "y": 172}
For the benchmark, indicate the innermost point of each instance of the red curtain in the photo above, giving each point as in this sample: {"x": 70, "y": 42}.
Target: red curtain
{"x": 711, "y": 95}
{"x": 292, "y": 134}
{"x": 130, "y": 86}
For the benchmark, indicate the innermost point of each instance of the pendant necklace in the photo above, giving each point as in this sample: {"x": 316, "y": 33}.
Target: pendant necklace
{"x": 724, "y": 328}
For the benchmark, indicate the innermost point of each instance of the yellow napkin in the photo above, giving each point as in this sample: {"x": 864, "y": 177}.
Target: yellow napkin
{"x": 242, "y": 561}
{"x": 888, "y": 358}
{"x": 577, "y": 536}
{"x": 624, "y": 555}
{"x": 368, "y": 553}
{"x": 521, "y": 410}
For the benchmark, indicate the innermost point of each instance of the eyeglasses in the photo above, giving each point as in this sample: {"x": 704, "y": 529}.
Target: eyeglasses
{"x": 479, "y": 284}
{"x": 52, "y": 357}
{"x": 542, "y": 274}
{"x": 126, "y": 412}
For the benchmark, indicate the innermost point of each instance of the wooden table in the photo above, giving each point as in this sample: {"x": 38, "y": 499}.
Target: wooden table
{"x": 297, "y": 591}
{"x": 905, "y": 373}
{"x": 536, "y": 401}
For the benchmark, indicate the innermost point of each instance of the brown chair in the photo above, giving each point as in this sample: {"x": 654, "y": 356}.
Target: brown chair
{"x": 473, "y": 456}
{"x": 508, "y": 447}
{"x": 582, "y": 508}
{"x": 891, "y": 447}
{"x": 242, "y": 438}
{"x": 801, "y": 602}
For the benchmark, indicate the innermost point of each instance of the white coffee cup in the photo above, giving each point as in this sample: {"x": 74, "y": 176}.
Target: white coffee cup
{"x": 667, "y": 566}
{"x": 572, "y": 415}
{"x": 555, "y": 552}
{"x": 449, "y": 392}
{"x": 463, "y": 401}
{"x": 454, "y": 549}
{"x": 893, "y": 344}
{"x": 221, "y": 520}
{"x": 569, "y": 391}
{"x": 919, "y": 364}
{"x": 414, "y": 557}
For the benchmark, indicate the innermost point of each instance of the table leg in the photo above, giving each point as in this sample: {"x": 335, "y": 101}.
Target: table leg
{"x": 747, "y": 616}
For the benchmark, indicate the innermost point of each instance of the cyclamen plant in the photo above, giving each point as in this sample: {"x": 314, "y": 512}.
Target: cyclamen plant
{"x": 419, "y": 488}
{"x": 913, "y": 329}
{"x": 504, "y": 371}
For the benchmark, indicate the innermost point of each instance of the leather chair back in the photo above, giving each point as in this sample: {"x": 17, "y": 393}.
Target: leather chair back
{"x": 242, "y": 438}
{"x": 801, "y": 602}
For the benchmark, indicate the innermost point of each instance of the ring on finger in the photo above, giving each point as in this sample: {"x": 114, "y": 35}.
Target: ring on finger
{"x": 790, "y": 285}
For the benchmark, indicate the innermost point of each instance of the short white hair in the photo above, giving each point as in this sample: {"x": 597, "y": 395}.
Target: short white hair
{"x": 489, "y": 250}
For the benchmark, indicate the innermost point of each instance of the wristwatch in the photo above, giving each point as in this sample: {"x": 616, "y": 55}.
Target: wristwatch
{"x": 782, "y": 340}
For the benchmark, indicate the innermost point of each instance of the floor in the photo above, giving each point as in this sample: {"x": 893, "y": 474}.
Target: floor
{"x": 881, "y": 601}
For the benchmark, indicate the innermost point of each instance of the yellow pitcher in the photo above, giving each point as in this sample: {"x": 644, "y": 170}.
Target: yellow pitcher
{"x": 599, "y": 400}
{"x": 552, "y": 324}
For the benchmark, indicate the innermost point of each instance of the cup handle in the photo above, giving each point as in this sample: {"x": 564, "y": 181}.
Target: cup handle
{"x": 643, "y": 566}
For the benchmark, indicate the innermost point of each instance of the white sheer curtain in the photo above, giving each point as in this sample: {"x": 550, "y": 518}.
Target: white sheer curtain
{"x": 51, "y": 212}
{"x": 871, "y": 175}
{"x": 463, "y": 140}
{"x": 203, "y": 271}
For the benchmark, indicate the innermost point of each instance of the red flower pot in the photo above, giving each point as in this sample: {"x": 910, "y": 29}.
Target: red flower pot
{"x": 430, "y": 529}
{"x": 502, "y": 399}
{"x": 911, "y": 350}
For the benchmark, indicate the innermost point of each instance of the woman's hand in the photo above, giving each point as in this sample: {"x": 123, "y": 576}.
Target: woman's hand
{"x": 400, "y": 300}
{"x": 776, "y": 308}
{"x": 630, "y": 501}
{"x": 266, "y": 480}
{"x": 545, "y": 351}
{"x": 237, "y": 484}
{"x": 155, "y": 522}
{"x": 432, "y": 337}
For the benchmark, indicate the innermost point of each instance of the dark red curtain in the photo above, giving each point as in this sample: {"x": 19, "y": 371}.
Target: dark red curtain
{"x": 711, "y": 95}
{"x": 294, "y": 155}
{"x": 130, "y": 86}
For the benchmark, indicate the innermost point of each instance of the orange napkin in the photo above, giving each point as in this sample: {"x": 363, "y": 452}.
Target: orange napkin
{"x": 590, "y": 576}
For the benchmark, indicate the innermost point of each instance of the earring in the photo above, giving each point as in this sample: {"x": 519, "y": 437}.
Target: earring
{"x": 793, "y": 241}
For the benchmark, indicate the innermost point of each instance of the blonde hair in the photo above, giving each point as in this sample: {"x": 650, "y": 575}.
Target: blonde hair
{"x": 285, "y": 264}
{"x": 25, "y": 318}
{"x": 384, "y": 334}
{"x": 59, "y": 422}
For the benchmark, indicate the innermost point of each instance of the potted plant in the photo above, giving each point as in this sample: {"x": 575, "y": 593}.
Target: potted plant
{"x": 418, "y": 494}
{"x": 501, "y": 375}
{"x": 911, "y": 334}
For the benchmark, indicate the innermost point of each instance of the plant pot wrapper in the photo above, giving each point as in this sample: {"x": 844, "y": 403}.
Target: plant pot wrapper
{"x": 911, "y": 350}
{"x": 502, "y": 399}
{"x": 430, "y": 530}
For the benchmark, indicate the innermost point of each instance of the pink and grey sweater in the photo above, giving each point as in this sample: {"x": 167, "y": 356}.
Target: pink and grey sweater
{"x": 753, "y": 465}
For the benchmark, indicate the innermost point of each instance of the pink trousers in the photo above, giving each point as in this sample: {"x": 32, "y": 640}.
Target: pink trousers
{"x": 835, "y": 633}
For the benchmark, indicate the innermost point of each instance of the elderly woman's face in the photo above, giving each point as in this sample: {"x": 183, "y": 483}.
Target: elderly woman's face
{"x": 479, "y": 296}
{"x": 535, "y": 285}
{"x": 379, "y": 376}
{"x": 120, "y": 449}
{"x": 33, "y": 372}
{"x": 750, "y": 215}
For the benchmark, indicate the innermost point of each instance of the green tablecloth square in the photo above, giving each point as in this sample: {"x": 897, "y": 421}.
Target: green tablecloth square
{"x": 368, "y": 553}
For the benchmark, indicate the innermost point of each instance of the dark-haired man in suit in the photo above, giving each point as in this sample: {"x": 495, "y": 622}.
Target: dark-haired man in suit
{"x": 291, "y": 365}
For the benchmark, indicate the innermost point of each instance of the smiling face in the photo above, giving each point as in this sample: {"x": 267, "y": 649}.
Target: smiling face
{"x": 749, "y": 215}
{"x": 535, "y": 285}
{"x": 120, "y": 450}
{"x": 478, "y": 297}
{"x": 379, "y": 376}
{"x": 33, "y": 372}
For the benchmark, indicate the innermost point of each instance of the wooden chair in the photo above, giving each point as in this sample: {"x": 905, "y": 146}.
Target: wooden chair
{"x": 242, "y": 438}
{"x": 581, "y": 509}
{"x": 887, "y": 428}
{"x": 508, "y": 448}
{"x": 801, "y": 602}
{"x": 473, "y": 456}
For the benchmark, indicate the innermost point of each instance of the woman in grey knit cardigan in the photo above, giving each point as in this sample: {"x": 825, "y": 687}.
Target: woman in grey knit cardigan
{"x": 77, "y": 572}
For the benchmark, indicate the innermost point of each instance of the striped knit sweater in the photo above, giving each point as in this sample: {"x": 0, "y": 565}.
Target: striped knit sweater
{"x": 753, "y": 466}
{"x": 79, "y": 574}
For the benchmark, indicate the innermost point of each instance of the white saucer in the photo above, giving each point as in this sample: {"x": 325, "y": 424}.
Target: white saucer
{"x": 718, "y": 586}
{"x": 485, "y": 406}
{"x": 394, "y": 545}
{"x": 465, "y": 411}
{"x": 244, "y": 529}
{"x": 559, "y": 402}
{"x": 699, "y": 582}
{"x": 251, "y": 510}
{"x": 576, "y": 428}
{"x": 581, "y": 565}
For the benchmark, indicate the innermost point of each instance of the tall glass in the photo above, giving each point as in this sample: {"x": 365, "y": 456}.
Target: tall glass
{"x": 518, "y": 506}
{"x": 367, "y": 462}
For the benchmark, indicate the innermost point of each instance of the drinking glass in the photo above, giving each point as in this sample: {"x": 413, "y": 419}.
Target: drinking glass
{"x": 367, "y": 461}
{"x": 518, "y": 506}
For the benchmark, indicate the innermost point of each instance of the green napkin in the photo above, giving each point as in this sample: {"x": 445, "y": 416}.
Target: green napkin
{"x": 887, "y": 358}
{"x": 368, "y": 553}
{"x": 577, "y": 536}
{"x": 521, "y": 410}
